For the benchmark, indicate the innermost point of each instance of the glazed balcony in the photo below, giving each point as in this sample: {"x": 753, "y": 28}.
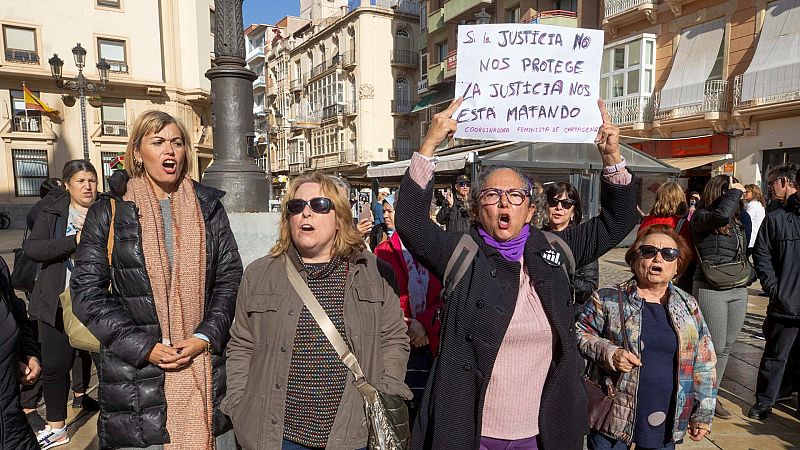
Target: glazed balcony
{"x": 457, "y": 10}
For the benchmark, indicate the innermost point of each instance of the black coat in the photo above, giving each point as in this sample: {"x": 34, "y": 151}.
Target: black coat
{"x": 49, "y": 244}
{"x": 716, "y": 248}
{"x": 456, "y": 218}
{"x": 132, "y": 404}
{"x": 777, "y": 259}
{"x": 17, "y": 343}
{"x": 585, "y": 280}
{"x": 477, "y": 315}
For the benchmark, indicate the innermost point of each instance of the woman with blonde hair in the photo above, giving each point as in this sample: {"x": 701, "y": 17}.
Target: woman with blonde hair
{"x": 670, "y": 209}
{"x": 163, "y": 305}
{"x": 287, "y": 387}
{"x": 755, "y": 205}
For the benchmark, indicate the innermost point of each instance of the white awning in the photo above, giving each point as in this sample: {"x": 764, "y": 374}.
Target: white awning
{"x": 775, "y": 68}
{"x": 448, "y": 163}
{"x": 690, "y": 162}
{"x": 694, "y": 60}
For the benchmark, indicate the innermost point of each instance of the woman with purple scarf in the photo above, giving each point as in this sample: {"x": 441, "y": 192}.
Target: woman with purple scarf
{"x": 507, "y": 374}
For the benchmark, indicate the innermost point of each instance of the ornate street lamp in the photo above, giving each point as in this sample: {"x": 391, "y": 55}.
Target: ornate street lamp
{"x": 482, "y": 17}
{"x": 80, "y": 84}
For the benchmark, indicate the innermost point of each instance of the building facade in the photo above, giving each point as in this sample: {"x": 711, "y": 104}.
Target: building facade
{"x": 718, "y": 78}
{"x": 159, "y": 51}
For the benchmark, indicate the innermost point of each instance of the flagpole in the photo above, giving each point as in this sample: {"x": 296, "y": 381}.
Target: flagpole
{"x": 27, "y": 122}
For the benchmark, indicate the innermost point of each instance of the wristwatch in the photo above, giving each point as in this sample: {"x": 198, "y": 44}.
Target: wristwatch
{"x": 608, "y": 170}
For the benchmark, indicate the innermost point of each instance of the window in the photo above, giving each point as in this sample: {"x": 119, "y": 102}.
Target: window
{"x": 108, "y": 3}
{"x": 326, "y": 141}
{"x": 567, "y": 5}
{"x": 107, "y": 158}
{"x": 20, "y": 44}
{"x": 423, "y": 16}
{"x": 30, "y": 171}
{"x": 212, "y": 16}
{"x": 24, "y": 120}
{"x": 402, "y": 34}
{"x": 628, "y": 69}
{"x": 113, "y": 117}
{"x": 512, "y": 15}
{"x": 402, "y": 92}
{"x": 114, "y": 52}
{"x": 441, "y": 52}
{"x": 423, "y": 63}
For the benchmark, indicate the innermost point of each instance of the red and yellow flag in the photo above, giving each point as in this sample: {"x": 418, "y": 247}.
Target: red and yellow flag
{"x": 33, "y": 103}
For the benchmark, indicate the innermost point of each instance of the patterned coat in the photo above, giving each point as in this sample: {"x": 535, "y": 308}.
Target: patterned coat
{"x": 599, "y": 335}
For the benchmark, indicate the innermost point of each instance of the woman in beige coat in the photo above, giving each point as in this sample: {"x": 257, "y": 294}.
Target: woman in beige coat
{"x": 287, "y": 387}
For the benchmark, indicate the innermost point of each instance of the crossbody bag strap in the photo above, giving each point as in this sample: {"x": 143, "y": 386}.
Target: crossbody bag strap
{"x": 110, "y": 245}
{"x": 623, "y": 329}
{"x": 458, "y": 264}
{"x": 324, "y": 322}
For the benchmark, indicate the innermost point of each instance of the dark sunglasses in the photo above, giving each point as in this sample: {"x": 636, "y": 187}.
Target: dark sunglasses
{"x": 566, "y": 203}
{"x": 320, "y": 205}
{"x": 649, "y": 252}
{"x": 463, "y": 184}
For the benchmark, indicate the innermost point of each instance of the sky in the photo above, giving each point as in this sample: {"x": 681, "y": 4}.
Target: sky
{"x": 268, "y": 11}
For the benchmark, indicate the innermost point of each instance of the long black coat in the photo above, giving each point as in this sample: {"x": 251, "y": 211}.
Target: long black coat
{"x": 717, "y": 248}
{"x": 17, "y": 343}
{"x": 132, "y": 404}
{"x": 477, "y": 315}
{"x": 49, "y": 244}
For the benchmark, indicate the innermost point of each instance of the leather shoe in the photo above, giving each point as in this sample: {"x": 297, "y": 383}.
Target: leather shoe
{"x": 721, "y": 412}
{"x": 759, "y": 411}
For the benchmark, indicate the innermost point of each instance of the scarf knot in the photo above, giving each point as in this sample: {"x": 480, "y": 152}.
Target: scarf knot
{"x": 510, "y": 250}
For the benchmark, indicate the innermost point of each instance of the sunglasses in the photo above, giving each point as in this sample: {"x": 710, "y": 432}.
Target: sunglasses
{"x": 649, "y": 252}
{"x": 320, "y": 205}
{"x": 566, "y": 203}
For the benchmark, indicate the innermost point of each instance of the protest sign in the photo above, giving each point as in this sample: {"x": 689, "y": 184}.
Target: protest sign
{"x": 528, "y": 82}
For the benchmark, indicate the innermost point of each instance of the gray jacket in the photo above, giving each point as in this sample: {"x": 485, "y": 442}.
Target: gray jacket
{"x": 262, "y": 337}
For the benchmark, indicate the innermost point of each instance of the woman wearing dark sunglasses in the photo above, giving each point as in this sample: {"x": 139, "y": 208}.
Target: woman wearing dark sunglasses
{"x": 287, "y": 387}
{"x": 666, "y": 363}
{"x": 564, "y": 211}
{"x": 507, "y": 374}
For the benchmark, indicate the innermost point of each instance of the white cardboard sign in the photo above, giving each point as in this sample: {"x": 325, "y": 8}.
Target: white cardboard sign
{"x": 528, "y": 82}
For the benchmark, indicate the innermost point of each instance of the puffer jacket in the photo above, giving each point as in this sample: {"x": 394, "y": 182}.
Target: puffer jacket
{"x": 713, "y": 247}
{"x": 600, "y": 335}
{"x": 132, "y": 404}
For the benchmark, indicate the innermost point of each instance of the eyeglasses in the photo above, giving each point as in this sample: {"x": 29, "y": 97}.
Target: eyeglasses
{"x": 320, "y": 205}
{"x": 566, "y": 203}
{"x": 492, "y": 196}
{"x": 463, "y": 184}
{"x": 649, "y": 252}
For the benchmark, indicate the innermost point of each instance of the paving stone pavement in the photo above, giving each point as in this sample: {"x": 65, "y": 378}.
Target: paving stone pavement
{"x": 780, "y": 431}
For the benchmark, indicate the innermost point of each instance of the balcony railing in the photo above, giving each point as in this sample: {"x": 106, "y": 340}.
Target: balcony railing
{"x": 404, "y": 57}
{"x": 259, "y": 82}
{"x": 332, "y": 111}
{"x": 407, "y": 7}
{"x": 351, "y": 108}
{"x": 715, "y": 99}
{"x": 616, "y": 7}
{"x": 27, "y": 124}
{"x": 791, "y": 91}
{"x": 259, "y": 110}
{"x": 297, "y": 84}
{"x": 400, "y": 151}
{"x": 557, "y": 17}
{"x": 319, "y": 69}
{"x": 118, "y": 67}
{"x": 402, "y": 106}
{"x": 348, "y": 155}
{"x": 627, "y": 111}
{"x": 348, "y": 58}
{"x": 22, "y": 56}
{"x": 113, "y": 128}
{"x": 254, "y": 54}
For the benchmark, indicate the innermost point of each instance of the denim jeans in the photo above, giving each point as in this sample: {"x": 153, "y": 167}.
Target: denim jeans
{"x": 599, "y": 441}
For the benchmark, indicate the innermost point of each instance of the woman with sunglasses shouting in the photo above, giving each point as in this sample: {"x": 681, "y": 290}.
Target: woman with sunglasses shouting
{"x": 507, "y": 374}
{"x": 564, "y": 211}
{"x": 287, "y": 387}
{"x": 657, "y": 350}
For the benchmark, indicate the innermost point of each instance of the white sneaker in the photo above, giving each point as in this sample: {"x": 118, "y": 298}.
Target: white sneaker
{"x": 52, "y": 437}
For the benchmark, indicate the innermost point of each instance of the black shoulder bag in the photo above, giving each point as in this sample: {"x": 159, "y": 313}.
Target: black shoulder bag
{"x": 735, "y": 274}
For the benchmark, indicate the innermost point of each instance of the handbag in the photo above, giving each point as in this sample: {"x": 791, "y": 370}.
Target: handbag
{"x": 26, "y": 270}
{"x": 601, "y": 393}
{"x": 387, "y": 414}
{"x": 735, "y": 274}
{"x": 79, "y": 336}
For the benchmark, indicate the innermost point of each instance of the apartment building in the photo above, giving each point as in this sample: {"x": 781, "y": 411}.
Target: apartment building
{"x": 158, "y": 50}
{"x": 338, "y": 90}
{"x": 439, "y": 20}
{"x": 718, "y": 78}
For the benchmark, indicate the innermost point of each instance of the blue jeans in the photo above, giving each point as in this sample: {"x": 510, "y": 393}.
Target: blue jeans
{"x": 599, "y": 441}
{"x": 289, "y": 445}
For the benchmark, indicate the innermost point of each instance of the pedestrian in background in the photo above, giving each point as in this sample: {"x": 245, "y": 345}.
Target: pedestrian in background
{"x": 564, "y": 211}
{"x": 454, "y": 213}
{"x": 756, "y": 207}
{"x": 52, "y": 243}
{"x": 378, "y": 231}
{"x": 777, "y": 261}
{"x": 718, "y": 236}
{"x": 19, "y": 364}
{"x": 163, "y": 306}
{"x": 287, "y": 387}
{"x": 670, "y": 209}
{"x": 658, "y": 344}
{"x": 507, "y": 374}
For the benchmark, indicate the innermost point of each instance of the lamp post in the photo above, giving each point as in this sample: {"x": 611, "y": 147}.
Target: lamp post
{"x": 233, "y": 170}
{"x": 482, "y": 17}
{"x": 80, "y": 83}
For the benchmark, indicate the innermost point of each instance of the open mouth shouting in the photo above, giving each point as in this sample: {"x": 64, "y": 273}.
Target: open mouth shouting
{"x": 169, "y": 165}
{"x": 504, "y": 221}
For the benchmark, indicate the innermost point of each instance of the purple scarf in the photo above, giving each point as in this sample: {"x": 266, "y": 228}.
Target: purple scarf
{"x": 511, "y": 249}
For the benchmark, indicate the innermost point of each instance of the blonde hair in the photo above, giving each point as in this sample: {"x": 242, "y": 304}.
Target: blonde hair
{"x": 151, "y": 122}
{"x": 670, "y": 201}
{"x": 755, "y": 191}
{"x": 346, "y": 241}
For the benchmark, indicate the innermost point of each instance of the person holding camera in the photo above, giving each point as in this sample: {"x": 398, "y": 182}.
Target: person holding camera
{"x": 454, "y": 214}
